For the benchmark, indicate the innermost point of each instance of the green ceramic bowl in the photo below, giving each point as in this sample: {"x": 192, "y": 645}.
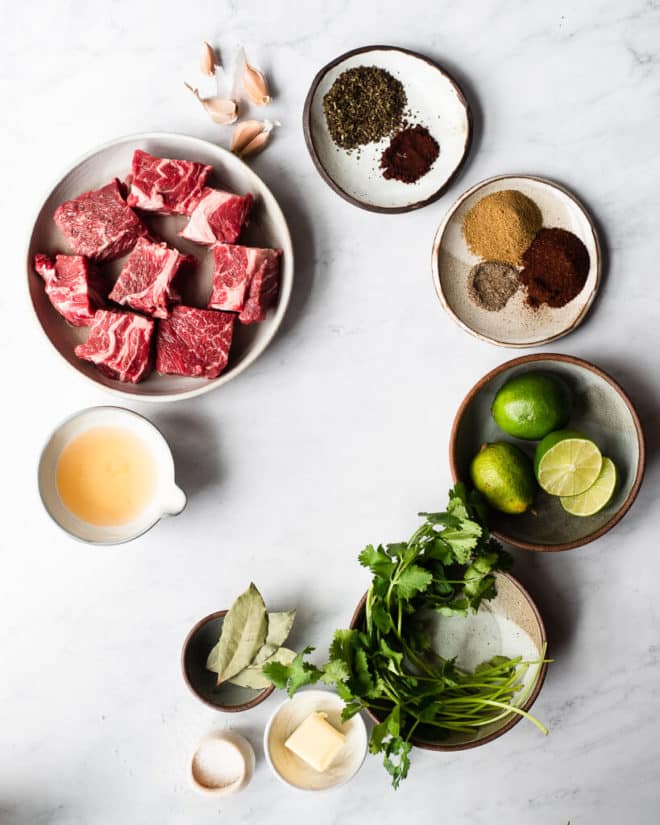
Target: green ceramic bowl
{"x": 601, "y": 410}
{"x": 199, "y": 642}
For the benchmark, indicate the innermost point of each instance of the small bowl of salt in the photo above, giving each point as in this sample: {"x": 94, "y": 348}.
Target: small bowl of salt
{"x": 222, "y": 764}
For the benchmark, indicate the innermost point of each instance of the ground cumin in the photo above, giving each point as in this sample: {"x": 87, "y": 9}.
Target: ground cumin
{"x": 502, "y": 225}
{"x": 555, "y": 270}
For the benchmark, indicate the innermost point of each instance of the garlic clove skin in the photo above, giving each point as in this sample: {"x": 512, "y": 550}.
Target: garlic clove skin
{"x": 244, "y": 133}
{"x": 209, "y": 60}
{"x": 255, "y": 85}
{"x": 255, "y": 145}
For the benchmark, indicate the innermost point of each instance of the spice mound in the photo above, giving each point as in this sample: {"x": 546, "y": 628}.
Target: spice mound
{"x": 501, "y": 226}
{"x": 491, "y": 284}
{"x": 363, "y": 105}
{"x": 556, "y": 266}
{"x": 410, "y": 155}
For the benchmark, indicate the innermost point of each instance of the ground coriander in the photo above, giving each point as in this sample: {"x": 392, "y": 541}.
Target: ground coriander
{"x": 502, "y": 225}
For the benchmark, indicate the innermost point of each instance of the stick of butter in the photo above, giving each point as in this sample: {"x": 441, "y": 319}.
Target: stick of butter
{"x": 316, "y": 742}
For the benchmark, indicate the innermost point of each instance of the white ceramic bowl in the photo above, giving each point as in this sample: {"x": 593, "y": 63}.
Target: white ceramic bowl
{"x": 168, "y": 499}
{"x": 292, "y": 770}
{"x": 435, "y": 100}
{"x": 267, "y": 228}
{"x": 516, "y": 325}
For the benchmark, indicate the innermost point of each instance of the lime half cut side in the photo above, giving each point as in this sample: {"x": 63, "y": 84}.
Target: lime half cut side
{"x": 598, "y": 496}
{"x": 567, "y": 464}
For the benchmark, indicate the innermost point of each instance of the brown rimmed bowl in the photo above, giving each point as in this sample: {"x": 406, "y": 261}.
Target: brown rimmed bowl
{"x": 435, "y": 100}
{"x": 227, "y": 698}
{"x": 516, "y": 324}
{"x": 601, "y": 410}
{"x": 515, "y": 608}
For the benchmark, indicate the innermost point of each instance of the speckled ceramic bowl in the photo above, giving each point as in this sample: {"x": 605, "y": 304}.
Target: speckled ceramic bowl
{"x": 508, "y": 625}
{"x": 601, "y": 410}
{"x": 199, "y": 642}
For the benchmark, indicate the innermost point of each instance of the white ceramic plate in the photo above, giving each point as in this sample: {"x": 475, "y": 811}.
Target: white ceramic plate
{"x": 267, "y": 228}
{"x": 516, "y": 325}
{"x": 434, "y": 99}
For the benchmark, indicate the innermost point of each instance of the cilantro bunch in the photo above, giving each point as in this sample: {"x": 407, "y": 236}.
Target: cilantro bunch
{"x": 387, "y": 666}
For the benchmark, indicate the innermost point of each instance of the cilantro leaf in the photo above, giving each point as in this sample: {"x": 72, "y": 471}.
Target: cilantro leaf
{"x": 414, "y": 579}
{"x": 294, "y": 676}
{"x": 377, "y": 561}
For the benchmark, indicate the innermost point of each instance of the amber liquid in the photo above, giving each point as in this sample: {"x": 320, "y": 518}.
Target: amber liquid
{"x": 106, "y": 476}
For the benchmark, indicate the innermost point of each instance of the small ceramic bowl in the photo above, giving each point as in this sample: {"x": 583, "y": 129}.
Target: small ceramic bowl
{"x": 202, "y": 682}
{"x": 508, "y": 625}
{"x": 435, "y": 100}
{"x": 517, "y": 324}
{"x": 167, "y": 500}
{"x": 291, "y": 769}
{"x": 601, "y": 410}
{"x": 213, "y": 780}
{"x": 267, "y": 228}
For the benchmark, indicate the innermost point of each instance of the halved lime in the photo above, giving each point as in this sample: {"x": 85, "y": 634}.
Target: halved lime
{"x": 567, "y": 463}
{"x": 598, "y": 496}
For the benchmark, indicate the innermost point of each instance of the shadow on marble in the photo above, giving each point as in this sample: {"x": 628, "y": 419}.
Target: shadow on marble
{"x": 194, "y": 442}
{"x": 302, "y": 237}
{"x": 550, "y": 581}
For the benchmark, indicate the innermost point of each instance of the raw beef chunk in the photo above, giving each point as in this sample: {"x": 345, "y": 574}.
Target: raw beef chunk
{"x": 99, "y": 224}
{"x": 166, "y": 186}
{"x": 194, "y": 342}
{"x": 219, "y": 216}
{"x": 145, "y": 282}
{"x": 73, "y": 286}
{"x": 119, "y": 344}
{"x": 237, "y": 269}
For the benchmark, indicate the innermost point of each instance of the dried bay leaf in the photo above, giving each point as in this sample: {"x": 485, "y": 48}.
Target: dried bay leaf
{"x": 253, "y": 677}
{"x": 279, "y": 627}
{"x": 243, "y": 635}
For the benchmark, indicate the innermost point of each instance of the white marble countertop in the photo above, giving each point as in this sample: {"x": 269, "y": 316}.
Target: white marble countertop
{"x": 338, "y": 435}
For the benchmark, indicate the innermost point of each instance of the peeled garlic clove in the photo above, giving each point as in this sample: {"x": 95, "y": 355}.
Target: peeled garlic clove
{"x": 208, "y": 60}
{"x": 255, "y": 145}
{"x": 244, "y": 133}
{"x": 219, "y": 109}
{"x": 255, "y": 85}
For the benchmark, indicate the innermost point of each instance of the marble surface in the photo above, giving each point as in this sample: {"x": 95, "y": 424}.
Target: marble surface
{"x": 338, "y": 435}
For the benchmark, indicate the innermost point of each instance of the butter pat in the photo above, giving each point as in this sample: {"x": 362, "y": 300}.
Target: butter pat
{"x": 316, "y": 742}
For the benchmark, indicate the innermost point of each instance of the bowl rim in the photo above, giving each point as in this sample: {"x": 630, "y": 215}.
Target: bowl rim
{"x": 260, "y": 697}
{"x": 269, "y": 759}
{"x": 158, "y": 434}
{"x": 515, "y": 718}
{"x": 641, "y": 446}
{"x": 327, "y": 177}
{"x": 286, "y": 285}
{"x": 435, "y": 269}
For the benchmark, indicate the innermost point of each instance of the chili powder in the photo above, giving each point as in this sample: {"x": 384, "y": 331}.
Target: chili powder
{"x": 410, "y": 155}
{"x": 555, "y": 268}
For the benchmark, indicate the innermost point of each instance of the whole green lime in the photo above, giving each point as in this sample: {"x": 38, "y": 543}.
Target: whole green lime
{"x": 504, "y": 475}
{"x": 532, "y": 405}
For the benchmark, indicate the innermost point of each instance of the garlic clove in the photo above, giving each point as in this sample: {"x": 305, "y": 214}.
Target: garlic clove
{"x": 255, "y": 85}
{"x": 219, "y": 109}
{"x": 255, "y": 145}
{"x": 209, "y": 60}
{"x": 244, "y": 133}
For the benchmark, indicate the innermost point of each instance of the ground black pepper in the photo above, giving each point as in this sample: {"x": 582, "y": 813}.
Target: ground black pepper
{"x": 410, "y": 155}
{"x": 491, "y": 284}
{"x": 363, "y": 105}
